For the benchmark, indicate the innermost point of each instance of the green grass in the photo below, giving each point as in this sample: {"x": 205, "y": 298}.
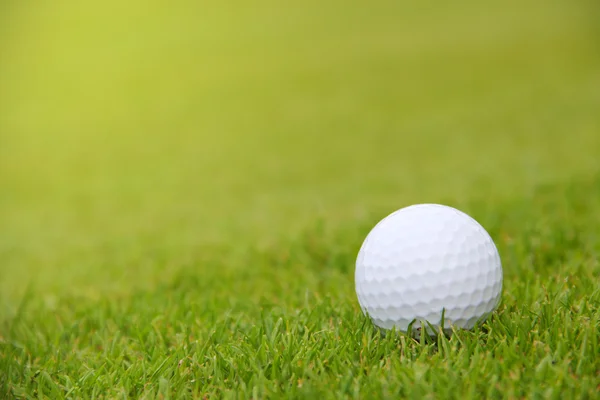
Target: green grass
{"x": 184, "y": 190}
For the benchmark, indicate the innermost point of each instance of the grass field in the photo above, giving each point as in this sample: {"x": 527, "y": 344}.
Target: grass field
{"x": 184, "y": 189}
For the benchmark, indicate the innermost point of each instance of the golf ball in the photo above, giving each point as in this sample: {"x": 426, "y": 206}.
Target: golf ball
{"x": 430, "y": 265}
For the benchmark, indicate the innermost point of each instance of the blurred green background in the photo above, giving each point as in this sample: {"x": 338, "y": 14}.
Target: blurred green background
{"x": 137, "y": 136}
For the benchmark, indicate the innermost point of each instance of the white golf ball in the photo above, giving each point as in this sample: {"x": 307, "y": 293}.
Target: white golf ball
{"x": 428, "y": 264}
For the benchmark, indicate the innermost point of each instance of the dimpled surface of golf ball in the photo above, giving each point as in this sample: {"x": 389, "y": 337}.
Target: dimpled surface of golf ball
{"x": 426, "y": 261}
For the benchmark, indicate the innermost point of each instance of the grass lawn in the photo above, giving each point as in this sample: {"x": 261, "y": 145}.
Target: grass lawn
{"x": 184, "y": 189}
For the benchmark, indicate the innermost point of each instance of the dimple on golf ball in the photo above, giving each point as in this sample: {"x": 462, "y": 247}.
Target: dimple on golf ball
{"x": 430, "y": 265}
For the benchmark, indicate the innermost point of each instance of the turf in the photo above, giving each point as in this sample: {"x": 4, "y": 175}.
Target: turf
{"x": 184, "y": 190}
